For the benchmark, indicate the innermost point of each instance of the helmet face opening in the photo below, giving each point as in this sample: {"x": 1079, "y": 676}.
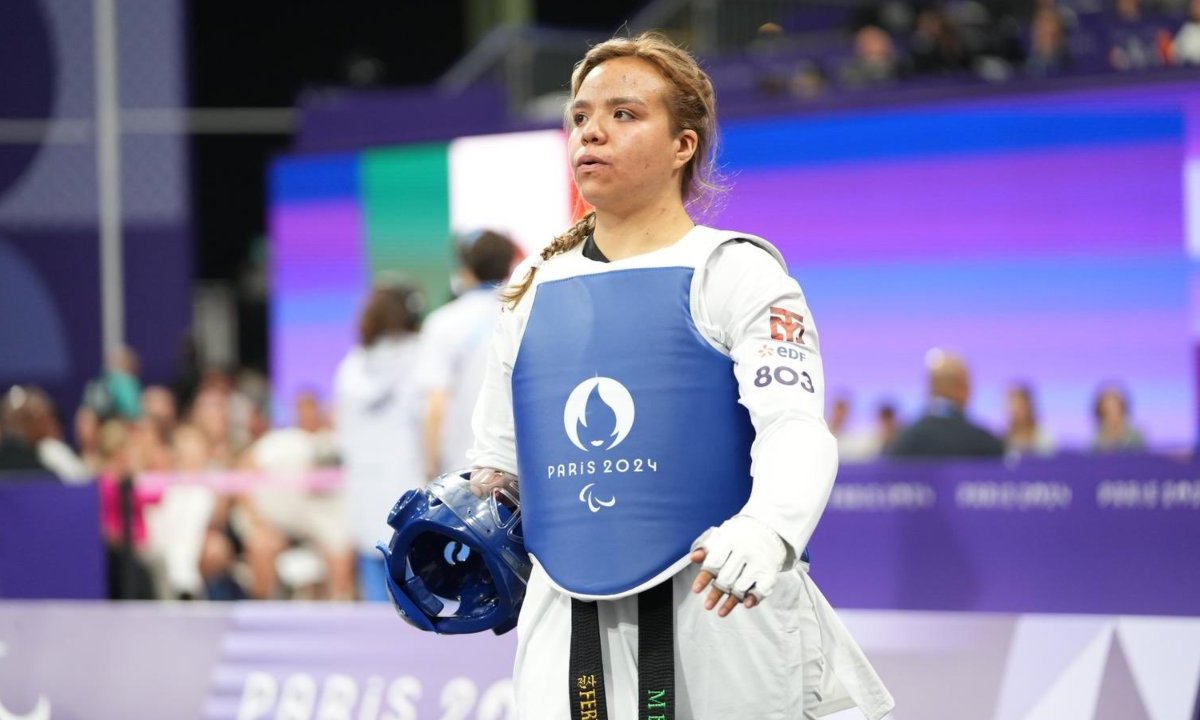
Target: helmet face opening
{"x": 453, "y": 571}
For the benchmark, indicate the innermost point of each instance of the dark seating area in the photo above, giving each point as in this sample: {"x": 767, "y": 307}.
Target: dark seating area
{"x": 825, "y": 52}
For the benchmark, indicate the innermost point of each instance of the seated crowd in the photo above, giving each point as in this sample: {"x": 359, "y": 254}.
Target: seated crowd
{"x": 945, "y": 430}
{"x": 201, "y": 498}
{"x": 823, "y": 49}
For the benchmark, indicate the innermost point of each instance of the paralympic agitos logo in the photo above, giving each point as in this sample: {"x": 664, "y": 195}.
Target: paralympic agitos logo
{"x": 597, "y": 417}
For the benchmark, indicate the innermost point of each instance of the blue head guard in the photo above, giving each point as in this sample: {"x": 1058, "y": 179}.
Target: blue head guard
{"x": 456, "y": 562}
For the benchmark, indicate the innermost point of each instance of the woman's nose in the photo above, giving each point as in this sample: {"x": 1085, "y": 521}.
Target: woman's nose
{"x": 592, "y": 132}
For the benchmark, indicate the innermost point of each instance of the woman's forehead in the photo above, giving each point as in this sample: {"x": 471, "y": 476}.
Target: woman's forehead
{"x": 624, "y": 76}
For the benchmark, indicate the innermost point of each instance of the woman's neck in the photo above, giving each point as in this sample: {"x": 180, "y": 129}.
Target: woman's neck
{"x": 1022, "y": 432}
{"x": 621, "y": 236}
{"x": 1113, "y": 428}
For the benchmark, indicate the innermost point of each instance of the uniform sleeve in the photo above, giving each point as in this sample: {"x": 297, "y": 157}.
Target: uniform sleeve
{"x": 751, "y": 307}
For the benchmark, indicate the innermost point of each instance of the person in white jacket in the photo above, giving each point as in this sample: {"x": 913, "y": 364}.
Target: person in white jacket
{"x": 377, "y": 422}
{"x": 655, "y": 393}
{"x": 453, "y": 349}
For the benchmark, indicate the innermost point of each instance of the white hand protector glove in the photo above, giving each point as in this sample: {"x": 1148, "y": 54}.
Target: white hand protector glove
{"x": 744, "y": 555}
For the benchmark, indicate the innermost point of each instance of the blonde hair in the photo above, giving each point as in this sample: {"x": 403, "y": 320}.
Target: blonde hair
{"x": 692, "y": 105}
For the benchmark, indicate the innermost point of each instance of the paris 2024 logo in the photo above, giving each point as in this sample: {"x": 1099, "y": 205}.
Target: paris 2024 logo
{"x": 598, "y": 416}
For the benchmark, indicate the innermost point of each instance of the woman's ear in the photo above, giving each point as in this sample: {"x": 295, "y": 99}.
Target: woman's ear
{"x": 685, "y": 147}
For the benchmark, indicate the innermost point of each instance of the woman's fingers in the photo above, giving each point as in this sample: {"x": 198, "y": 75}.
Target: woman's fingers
{"x": 705, "y": 577}
{"x": 704, "y": 580}
{"x": 730, "y": 603}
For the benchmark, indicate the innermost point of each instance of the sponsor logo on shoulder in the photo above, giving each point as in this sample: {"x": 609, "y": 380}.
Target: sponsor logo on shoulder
{"x": 786, "y": 352}
{"x": 786, "y": 326}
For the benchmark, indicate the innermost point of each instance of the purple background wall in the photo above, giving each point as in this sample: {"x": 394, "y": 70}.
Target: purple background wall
{"x": 1043, "y": 235}
{"x": 1114, "y": 534}
{"x": 49, "y": 201}
{"x": 63, "y": 558}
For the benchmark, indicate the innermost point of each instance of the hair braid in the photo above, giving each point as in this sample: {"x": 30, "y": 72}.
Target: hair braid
{"x": 561, "y": 244}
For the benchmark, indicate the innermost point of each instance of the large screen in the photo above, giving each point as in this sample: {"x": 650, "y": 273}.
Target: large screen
{"x": 1047, "y": 238}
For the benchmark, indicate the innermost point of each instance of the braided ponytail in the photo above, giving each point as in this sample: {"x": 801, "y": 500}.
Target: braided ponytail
{"x": 561, "y": 244}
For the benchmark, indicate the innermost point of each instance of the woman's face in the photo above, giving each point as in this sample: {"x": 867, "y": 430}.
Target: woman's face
{"x": 191, "y": 450}
{"x": 1018, "y": 407}
{"x": 87, "y": 428}
{"x": 1112, "y": 408}
{"x": 623, "y": 153}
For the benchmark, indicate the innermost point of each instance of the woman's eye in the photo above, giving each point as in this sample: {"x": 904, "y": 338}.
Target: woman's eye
{"x": 623, "y": 115}
{"x": 578, "y": 118}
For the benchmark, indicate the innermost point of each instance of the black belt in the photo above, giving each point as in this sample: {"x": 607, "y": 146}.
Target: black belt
{"x": 656, "y": 658}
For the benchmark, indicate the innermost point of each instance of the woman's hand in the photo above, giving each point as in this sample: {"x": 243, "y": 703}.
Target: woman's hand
{"x": 487, "y": 481}
{"x": 715, "y": 595}
{"x": 740, "y": 560}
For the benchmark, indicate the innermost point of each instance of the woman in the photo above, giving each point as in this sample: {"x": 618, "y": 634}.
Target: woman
{"x": 377, "y": 422}
{"x": 643, "y": 341}
{"x": 1025, "y": 435}
{"x": 1115, "y": 432}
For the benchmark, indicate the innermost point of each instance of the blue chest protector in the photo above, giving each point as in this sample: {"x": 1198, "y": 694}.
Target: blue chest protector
{"x": 630, "y": 438}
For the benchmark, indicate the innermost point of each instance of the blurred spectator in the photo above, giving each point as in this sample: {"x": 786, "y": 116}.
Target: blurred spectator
{"x": 1048, "y": 53}
{"x": 454, "y": 348}
{"x": 887, "y": 426}
{"x": 257, "y": 422}
{"x": 944, "y": 430}
{"x": 1003, "y": 32}
{"x": 158, "y": 407}
{"x": 1137, "y": 39}
{"x": 248, "y": 408}
{"x": 1114, "y": 429}
{"x": 148, "y": 452}
{"x": 806, "y": 80}
{"x": 118, "y": 392}
{"x": 190, "y": 451}
{"x": 775, "y": 70}
{"x": 87, "y": 437}
{"x": 1185, "y": 49}
{"x": 839, "y": 415}
{"x": 217, "y": 545}
{"x": 17, "y": 451}
{"x": 311, "y": 418}
{"x": 936, "y": 45}
{"x": 378, "y": 423}
{"x": 895, "y": 16}
{"x": 177, "y": 527}
{"x": 44, "y": 433}
{"x": 217, "y": 379}
{"x": 283, "y": 509}
{"x": 866, "y": 445}
{"x": 122, "y": 517}
{"x": 875, "y": 61}
{"x": 187, "y": 378}
{"x": 989, "y": 36}
{"x": 1025, "y": 435}
{"x": 852, "y": 447}
{"x": 210, "y": 414}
